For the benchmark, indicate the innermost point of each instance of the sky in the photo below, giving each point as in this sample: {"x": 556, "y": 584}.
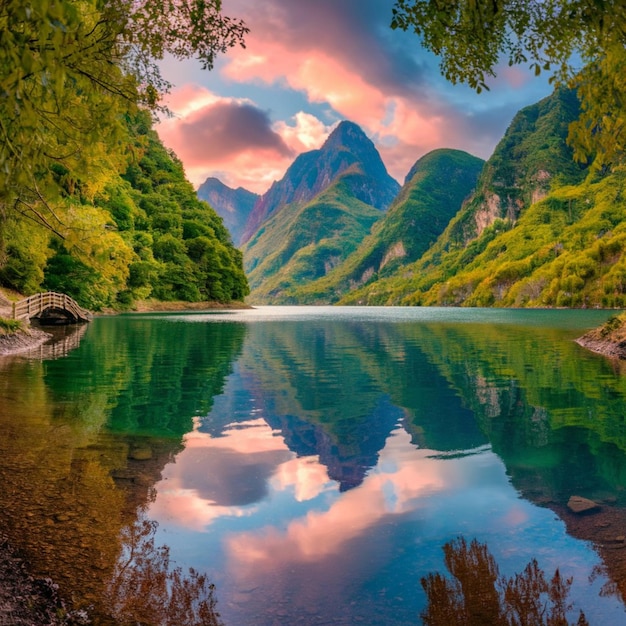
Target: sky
{"x": 307, "y": 65}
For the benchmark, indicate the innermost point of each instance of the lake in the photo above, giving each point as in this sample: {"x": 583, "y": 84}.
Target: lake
{"x": 309, "y": 464}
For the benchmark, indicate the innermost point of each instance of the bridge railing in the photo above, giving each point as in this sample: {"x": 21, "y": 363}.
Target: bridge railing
{"x": 36, "y": 304}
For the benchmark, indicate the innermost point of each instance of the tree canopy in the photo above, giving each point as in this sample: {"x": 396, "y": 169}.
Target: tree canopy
{"x": 68, "y": 67}
{"x": 73, "y": 76}
{"x": 581, "y": 42}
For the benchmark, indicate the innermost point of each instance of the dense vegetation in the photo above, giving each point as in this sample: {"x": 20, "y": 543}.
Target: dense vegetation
{"x": 471, "y": 39}
{"x": 302, "y": 243}
{"x": 540, "y": 230}
{"x": 139, "y": 235}
{"x": 90, "y": 202}
{"x": 432, "y": 194}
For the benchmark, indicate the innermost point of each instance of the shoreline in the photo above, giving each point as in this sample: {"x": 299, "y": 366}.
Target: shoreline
{"x": 26, "y": 600}
{"x": 29, "y": 338}
{"x": 22, "y": 341}
{"x": 608, "y": 340}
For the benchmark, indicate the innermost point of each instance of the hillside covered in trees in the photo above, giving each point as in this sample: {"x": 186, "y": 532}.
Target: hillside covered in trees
{"x": 540, "y": 230}
{"x": 91, "y": 203}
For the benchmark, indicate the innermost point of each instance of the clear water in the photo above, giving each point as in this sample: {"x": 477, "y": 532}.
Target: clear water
{"x": 312, "y": 462}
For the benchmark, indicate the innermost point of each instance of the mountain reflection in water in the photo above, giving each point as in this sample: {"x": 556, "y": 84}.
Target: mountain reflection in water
{"x": 311, "y": 463}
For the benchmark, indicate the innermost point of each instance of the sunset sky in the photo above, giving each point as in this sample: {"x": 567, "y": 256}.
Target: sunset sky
{"x": 307, "y": 66}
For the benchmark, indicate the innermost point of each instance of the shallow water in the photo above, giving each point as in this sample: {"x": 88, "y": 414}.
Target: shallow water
{"x": 312, "y": 462}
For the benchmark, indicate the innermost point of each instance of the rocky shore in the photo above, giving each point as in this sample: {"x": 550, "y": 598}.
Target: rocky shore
{"x": 29, "y": 601}
{"x": 22, "y": 341}
{"x": 609, "y": 339}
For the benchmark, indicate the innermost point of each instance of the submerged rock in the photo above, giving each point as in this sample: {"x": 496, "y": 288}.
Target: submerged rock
{"x": 140, "y": 453}
{"x": 578, "y": 504}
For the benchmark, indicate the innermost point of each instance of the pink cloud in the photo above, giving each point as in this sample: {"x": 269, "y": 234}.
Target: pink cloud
{"x": 210, "y": 133}
{"x": 331, "y": 70}
{"x": 344, "y": 55}
{"x": 408, "y": 474}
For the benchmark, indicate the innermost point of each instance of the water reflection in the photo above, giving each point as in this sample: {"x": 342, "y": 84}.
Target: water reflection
{"x": 310, "y": 469}
{"x": 146, "y": 589}
{"x": 477, "y": 594}
{"x": 85, "y": 438}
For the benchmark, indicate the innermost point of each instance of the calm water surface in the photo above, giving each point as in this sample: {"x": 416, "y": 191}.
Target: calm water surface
{"x": 311, "y": 462}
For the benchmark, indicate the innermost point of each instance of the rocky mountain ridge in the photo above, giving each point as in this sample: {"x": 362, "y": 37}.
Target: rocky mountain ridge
{"x": 347, "y": 148}
{"x": 232, "y": 205}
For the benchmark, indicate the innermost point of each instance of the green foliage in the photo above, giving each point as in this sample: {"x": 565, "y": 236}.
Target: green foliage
{"x": 470, "y": 37}
{"x": 433, "y": 192}
{"x": 534, "y": 234}
{"x": 68, "y": 67}
{"x": 72, "y": 75}
{"x": 545, "y": 259}
{"x": 140, "y": 235}
{"x": 615, "y": 322}
{"x": 9, "y": 326}
{"x": 67, "y": 274}
{"x": 301, "y": 243}
{"x": 183, "y": 250}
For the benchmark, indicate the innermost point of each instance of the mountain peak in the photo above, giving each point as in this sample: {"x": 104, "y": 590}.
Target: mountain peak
{"x": 347, "y": 153}
{"x": 346, "y": 134}
{"x": 232, "y": 205}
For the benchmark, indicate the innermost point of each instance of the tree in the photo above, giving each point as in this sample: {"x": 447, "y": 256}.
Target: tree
{"x": 472, "y": 36}
{"x": 73, "y": 74}
{"x": 69, "y": 69}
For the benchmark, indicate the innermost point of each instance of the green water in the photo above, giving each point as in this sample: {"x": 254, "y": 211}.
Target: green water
{"x": 311, "y": 462}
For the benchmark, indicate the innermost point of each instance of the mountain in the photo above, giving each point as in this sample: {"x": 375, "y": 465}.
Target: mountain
{"x": 432, "y": 194}
{"x": 313, "y": 218}
{"x": 346, "y": 148}
{"x": 232, "y": 205}
{"x": 541, "y": 230}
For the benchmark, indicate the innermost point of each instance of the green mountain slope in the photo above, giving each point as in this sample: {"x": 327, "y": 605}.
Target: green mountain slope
{"x": 530, "y": 234}
{"x": 432, "y": 194}
{"x": 302, "y": 243}
{"x": 313, "y": 218}
{"x": 347, "y": 149}
{"x": 133, "y": 229}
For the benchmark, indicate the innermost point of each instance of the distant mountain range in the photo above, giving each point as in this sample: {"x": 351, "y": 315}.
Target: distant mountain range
{"x": 530, "y": 227}
{"x": 232, "y": 205}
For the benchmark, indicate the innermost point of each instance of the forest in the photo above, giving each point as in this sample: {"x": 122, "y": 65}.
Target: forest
{"x": 91, "y": 203}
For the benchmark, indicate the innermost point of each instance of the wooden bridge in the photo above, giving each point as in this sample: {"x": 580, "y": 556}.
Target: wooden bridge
{"x": 51, "y": 308}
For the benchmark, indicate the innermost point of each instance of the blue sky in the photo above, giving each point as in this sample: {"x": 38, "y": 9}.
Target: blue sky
{"x": 308, "y": 65}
